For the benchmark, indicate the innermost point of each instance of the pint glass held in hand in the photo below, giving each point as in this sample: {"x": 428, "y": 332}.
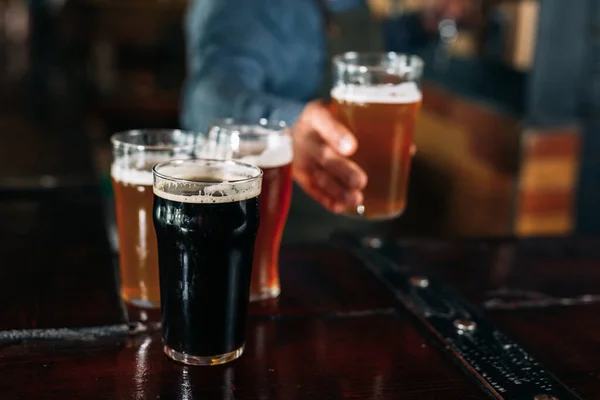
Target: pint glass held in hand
{"x": 134, "y": 154}
{"x": 377, "y": 96}
{"x": 268, "y": 145}
{"x": 206, "y": 218}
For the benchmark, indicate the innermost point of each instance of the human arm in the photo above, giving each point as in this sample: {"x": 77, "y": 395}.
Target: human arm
{"x": 231, "y": 67}
{"x": 233, "y": 58}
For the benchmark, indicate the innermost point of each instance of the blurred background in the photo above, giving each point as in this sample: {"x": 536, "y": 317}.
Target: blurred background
{"x": 508, "y": 137}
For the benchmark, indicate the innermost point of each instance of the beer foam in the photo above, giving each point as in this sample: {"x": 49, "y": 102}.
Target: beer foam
{"x": 407, "y": 92}
{"x": 276, "y": 151}
{"x": 130, "y": 176}
{"x": 137, "y": 169}
{"x": 224, "y": 192}
{"x": 228, "y": 191}
{"x": 279, "y": 154}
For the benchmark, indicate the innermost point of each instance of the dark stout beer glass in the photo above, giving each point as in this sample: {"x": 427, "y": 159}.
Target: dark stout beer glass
{"x": 206, "y": 216}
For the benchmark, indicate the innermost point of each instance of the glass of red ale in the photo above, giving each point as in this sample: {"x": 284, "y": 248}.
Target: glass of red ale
{"x": 267, "y": 145}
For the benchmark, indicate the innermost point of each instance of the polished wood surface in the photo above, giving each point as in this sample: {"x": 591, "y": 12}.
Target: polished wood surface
{"x": 381, "y": 357}
{"x": 336, "y": 332}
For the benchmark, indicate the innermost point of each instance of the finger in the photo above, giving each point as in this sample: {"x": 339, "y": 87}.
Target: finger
{"x": 345, "y": 170}
{"x": 320, "y": 195}
{"x": 331, "y": 130}
{"x": 333, "y": 187}
{"x": 317, "y": 194}
{"x": 324, "y": 200}
{"x": 318, "y": 178}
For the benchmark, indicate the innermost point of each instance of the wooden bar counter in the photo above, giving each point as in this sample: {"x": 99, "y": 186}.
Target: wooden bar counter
{"x": 336, "y": 331}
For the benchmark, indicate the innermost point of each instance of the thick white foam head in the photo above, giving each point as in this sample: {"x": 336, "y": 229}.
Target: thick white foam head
{"x": 234, "y": 186}
{"x": 271, "y": 151}
{"x": 137, "y": 169}
{"x": 130, "y": 176}
{"x": 276, "y": 154}
{"x": 403, "y": 93}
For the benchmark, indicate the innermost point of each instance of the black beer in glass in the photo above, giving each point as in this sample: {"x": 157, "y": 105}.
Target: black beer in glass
{"x": 206, "y": 216}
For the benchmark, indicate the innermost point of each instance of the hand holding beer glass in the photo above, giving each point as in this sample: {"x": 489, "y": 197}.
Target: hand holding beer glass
{"x": 134, "y": 154}
{"x": 268, "y": 145}
{"x": 377, "y": 97}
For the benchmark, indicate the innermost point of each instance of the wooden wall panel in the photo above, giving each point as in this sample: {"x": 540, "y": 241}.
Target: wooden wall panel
{"x": 474, "y": 149}
{"x": 548, "y": 182}
{"x": 499, "y": 179}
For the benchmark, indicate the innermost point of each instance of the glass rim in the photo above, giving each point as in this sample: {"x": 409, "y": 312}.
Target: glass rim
{"x": 118, "y": 139}
{"x": 345, "y": 59}
{"x": 206, "y": 160}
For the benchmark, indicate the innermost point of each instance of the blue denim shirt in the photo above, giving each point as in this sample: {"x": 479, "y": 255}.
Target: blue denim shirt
{"x": 253, "y": 58}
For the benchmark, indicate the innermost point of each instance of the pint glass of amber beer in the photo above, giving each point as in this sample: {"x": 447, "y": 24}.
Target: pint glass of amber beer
{"x": 377, "y": 96}
{"x": 134, "y": 154}
{"x": 268, "y": 145}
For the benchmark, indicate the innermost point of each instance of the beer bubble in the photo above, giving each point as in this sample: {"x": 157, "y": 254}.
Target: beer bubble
{"x": 231, "y": 184}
